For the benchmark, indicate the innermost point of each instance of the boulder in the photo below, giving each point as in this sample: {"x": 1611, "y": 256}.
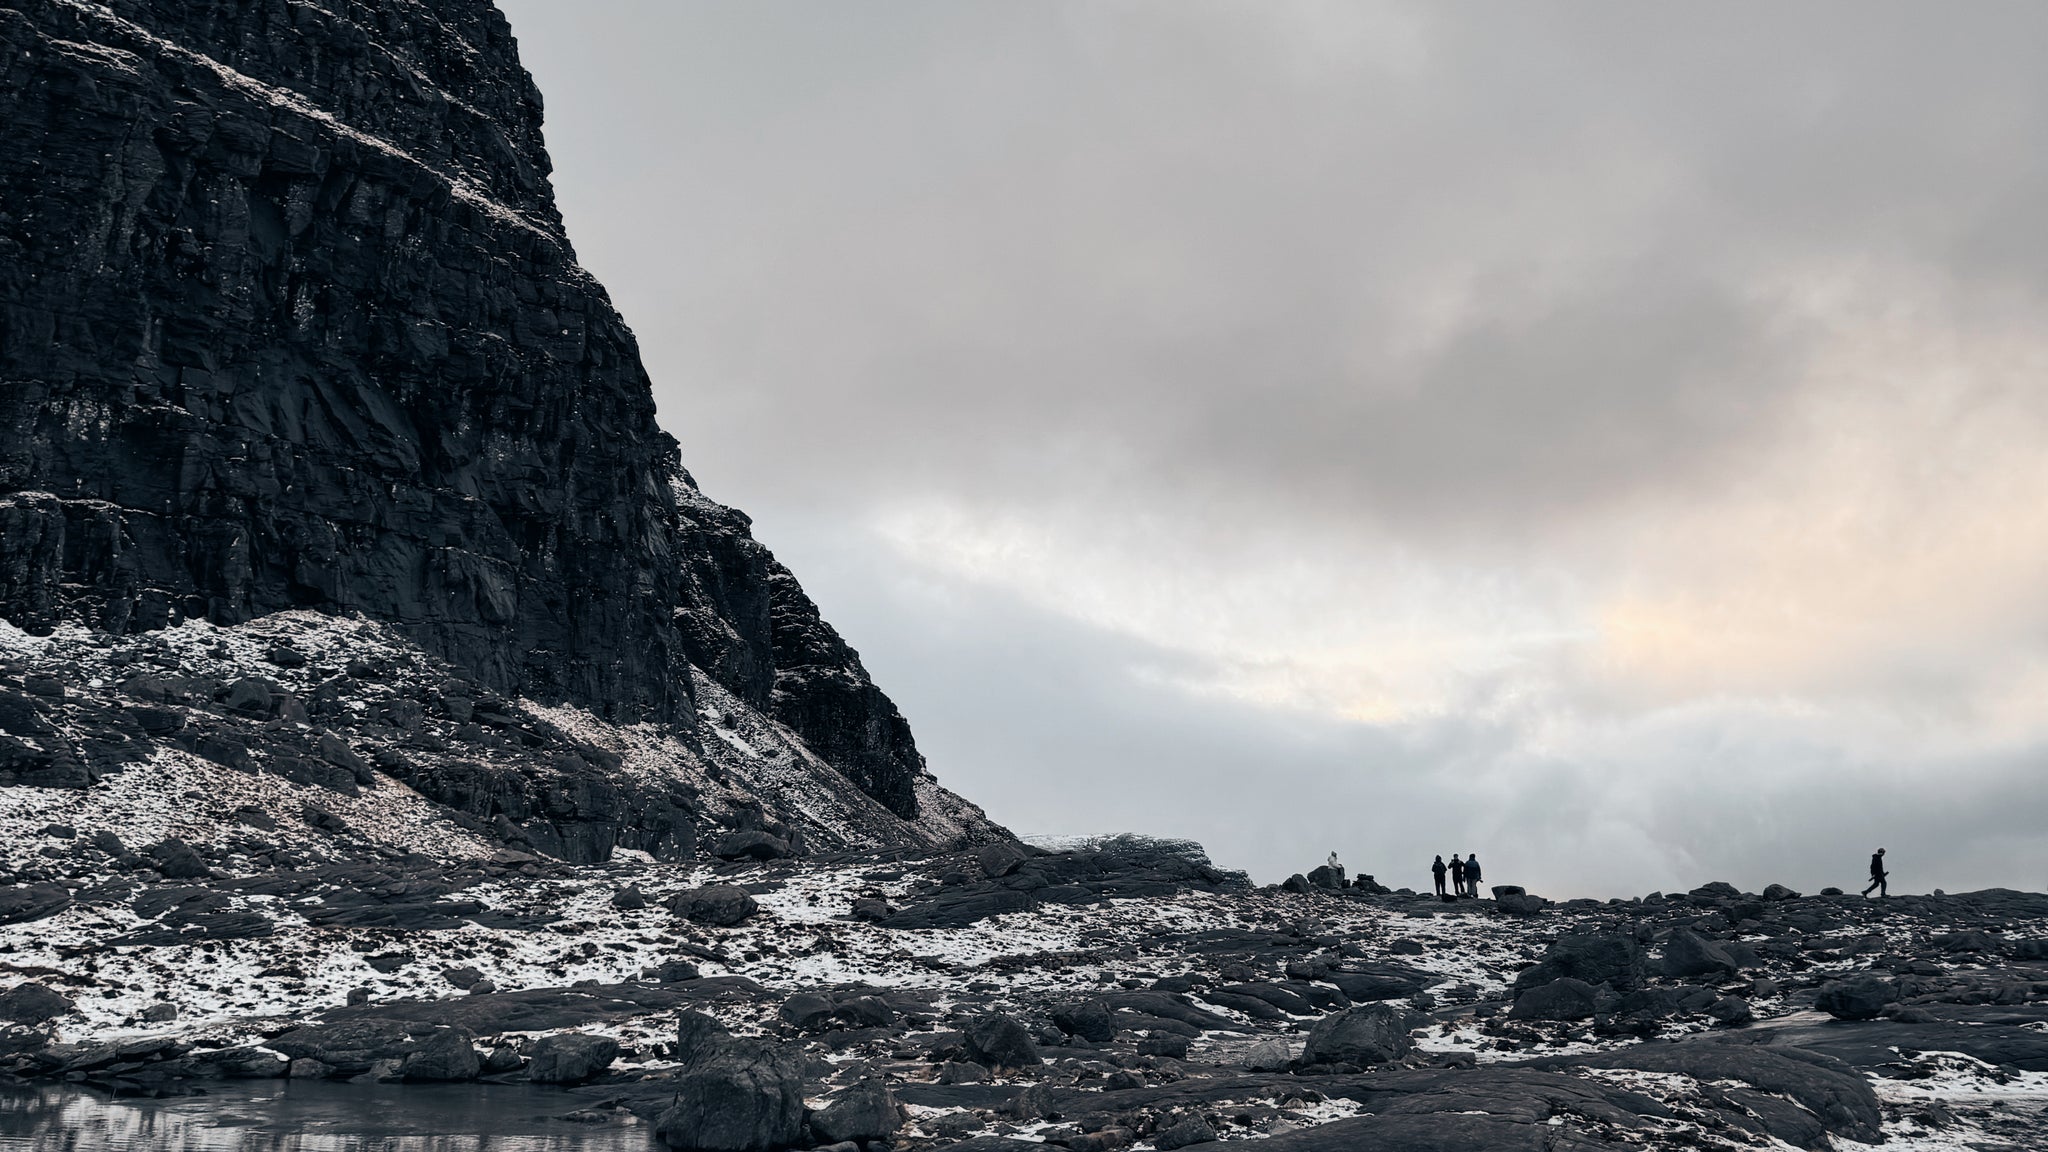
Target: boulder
{"x": 629, "y": 898}
{"x": 1779, "y": 892}
{"x": 176, "y": 860}
{"x": 997, "y": 1041}
{"x": 750, "y": 846}
{"x": 866, "y": 1111}
{"x": 1373, "y": 1034}
{"x": 1731, "y": 1011}
{"x": 1858, "y": 998}
{"x": 1611, "y": 958}
{"x": 1688, "y": 955}
{"x": 698, "y": 1035}
{"x": 1268, "y": 1056}
{"x": 32, "y": 902}
{"x": 806, "y": 1012}
{"x": 447, "y": 1054}
{"x": 32, "y": 1003}
{"x": 1512, "y": 900}
{"x": 1090, "y": 1020}
{"x": 1184, "y": 1134}
{"x": 1562, "y": 999}
{"x": 1000, "y": 859}
{"x": 570, "y": 1057}
{"x": 745, "y": 1097}
{"x": 719, "y": 905}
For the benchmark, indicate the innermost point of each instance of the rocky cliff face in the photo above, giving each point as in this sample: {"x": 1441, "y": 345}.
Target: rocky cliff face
{"x": 288, "y": 320}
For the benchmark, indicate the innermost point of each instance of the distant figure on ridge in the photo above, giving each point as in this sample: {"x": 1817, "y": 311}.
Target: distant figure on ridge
{"x": 1457, "y": 874}
{"x": 1332, "y": 864}
{"x": 1878, "y": 875}
{"x": 1438, "y": 869}
{"x": 1472, "y": 874}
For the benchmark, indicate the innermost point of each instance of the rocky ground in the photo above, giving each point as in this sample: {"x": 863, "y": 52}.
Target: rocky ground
{"x": 302, "y": 848}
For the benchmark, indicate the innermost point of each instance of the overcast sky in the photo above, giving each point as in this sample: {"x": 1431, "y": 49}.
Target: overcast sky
{"x": 1611, "y": 438}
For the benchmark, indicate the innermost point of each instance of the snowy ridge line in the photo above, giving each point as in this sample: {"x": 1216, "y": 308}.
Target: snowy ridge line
{"x": 458, "y": 187}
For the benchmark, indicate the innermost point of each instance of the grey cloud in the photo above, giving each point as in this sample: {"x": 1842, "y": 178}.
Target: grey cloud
{"x": 1458, "y": 277}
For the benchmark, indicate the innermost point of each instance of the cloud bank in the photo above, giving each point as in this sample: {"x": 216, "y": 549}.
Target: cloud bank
{"x": 1612, "y": 439}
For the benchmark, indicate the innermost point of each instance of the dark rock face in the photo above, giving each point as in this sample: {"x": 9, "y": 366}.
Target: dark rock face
{"x": 288, "y": 320}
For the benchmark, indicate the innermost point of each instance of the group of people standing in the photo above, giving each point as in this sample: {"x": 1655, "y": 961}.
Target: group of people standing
{"x": 1464, "y": 876}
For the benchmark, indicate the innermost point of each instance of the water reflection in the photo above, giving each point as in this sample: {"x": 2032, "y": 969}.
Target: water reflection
{"x": 310, "y": 1116}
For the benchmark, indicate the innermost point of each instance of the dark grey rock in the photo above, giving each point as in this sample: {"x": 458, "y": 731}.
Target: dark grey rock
{"x": 720, "y": 905}
{"x": 1596, "y": 958}
{"x": 32, "y": 902}
{"x": 1560, "y": 999}
{"x": 570, "y": 1057}
{"x": 1373, "y": 1034}
{"x": 750, "y": 846}
{"x": 1688, "y": 955}
{"x": 698, "y": 1035}
{"x": 866, "y": 1111}
{"x": 1857, "y": 998}
{"x": 32, "y": 1003}
{"x": 744, "y": 1097}
{"x": 998, "y": 1041}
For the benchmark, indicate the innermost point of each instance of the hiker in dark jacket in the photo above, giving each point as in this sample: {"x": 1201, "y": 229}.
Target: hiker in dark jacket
{"x": 1457, "y": 874}
{"x": 1472, "y": 874}
{"x": 1878, "y": 875}
{"x": 1437, "y": 870}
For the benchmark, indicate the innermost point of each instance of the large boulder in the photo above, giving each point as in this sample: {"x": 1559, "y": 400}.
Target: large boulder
{"x": 32, "y": 1004}
{"x": 1561, "y": 999}
{"x": 698, "y": 1036}
{"x": 32, "y": 902}
{"x": 719, "y": 905}
{"x": 1858, "y": 998}
{"x": 1596, "y": 958}
{"x": 445, "y": 1054}
{"x": 807, "y": 1012}
{"x": 176, "y": 860}
{"x": 1372, "y": 1034}
{"x": 867, "y": 1111}
{"x": 1000, "y": 858}
{"x": 1512, "y": 900}
{"x": 997, "y": 1041}
{"x": 1090, "y": 1020}
{"x": 745, "y": 1097}
{"x": 570, "y": 1057}
{"x": 1688, "y": 955}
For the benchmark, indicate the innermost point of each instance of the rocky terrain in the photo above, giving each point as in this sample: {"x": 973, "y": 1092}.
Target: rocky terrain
{"x": 185, "y": 922}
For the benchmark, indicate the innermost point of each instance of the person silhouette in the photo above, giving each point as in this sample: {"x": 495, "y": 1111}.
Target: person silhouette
{"x": 1878, "y": 876}
{"x": 1472, "y": 874}
{"x": 1457, "y": 874}
{"x": 1437, "y": 870}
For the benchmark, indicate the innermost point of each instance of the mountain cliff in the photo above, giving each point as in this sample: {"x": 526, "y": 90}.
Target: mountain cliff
{"x": 289, "y": 321}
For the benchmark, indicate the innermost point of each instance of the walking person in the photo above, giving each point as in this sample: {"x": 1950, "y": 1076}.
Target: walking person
{"x": 1457, "y": 874}
{"x": 1878, "y": 875}
{"x": 1437, "y": 870}
{"x": 1472, "y": 874}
